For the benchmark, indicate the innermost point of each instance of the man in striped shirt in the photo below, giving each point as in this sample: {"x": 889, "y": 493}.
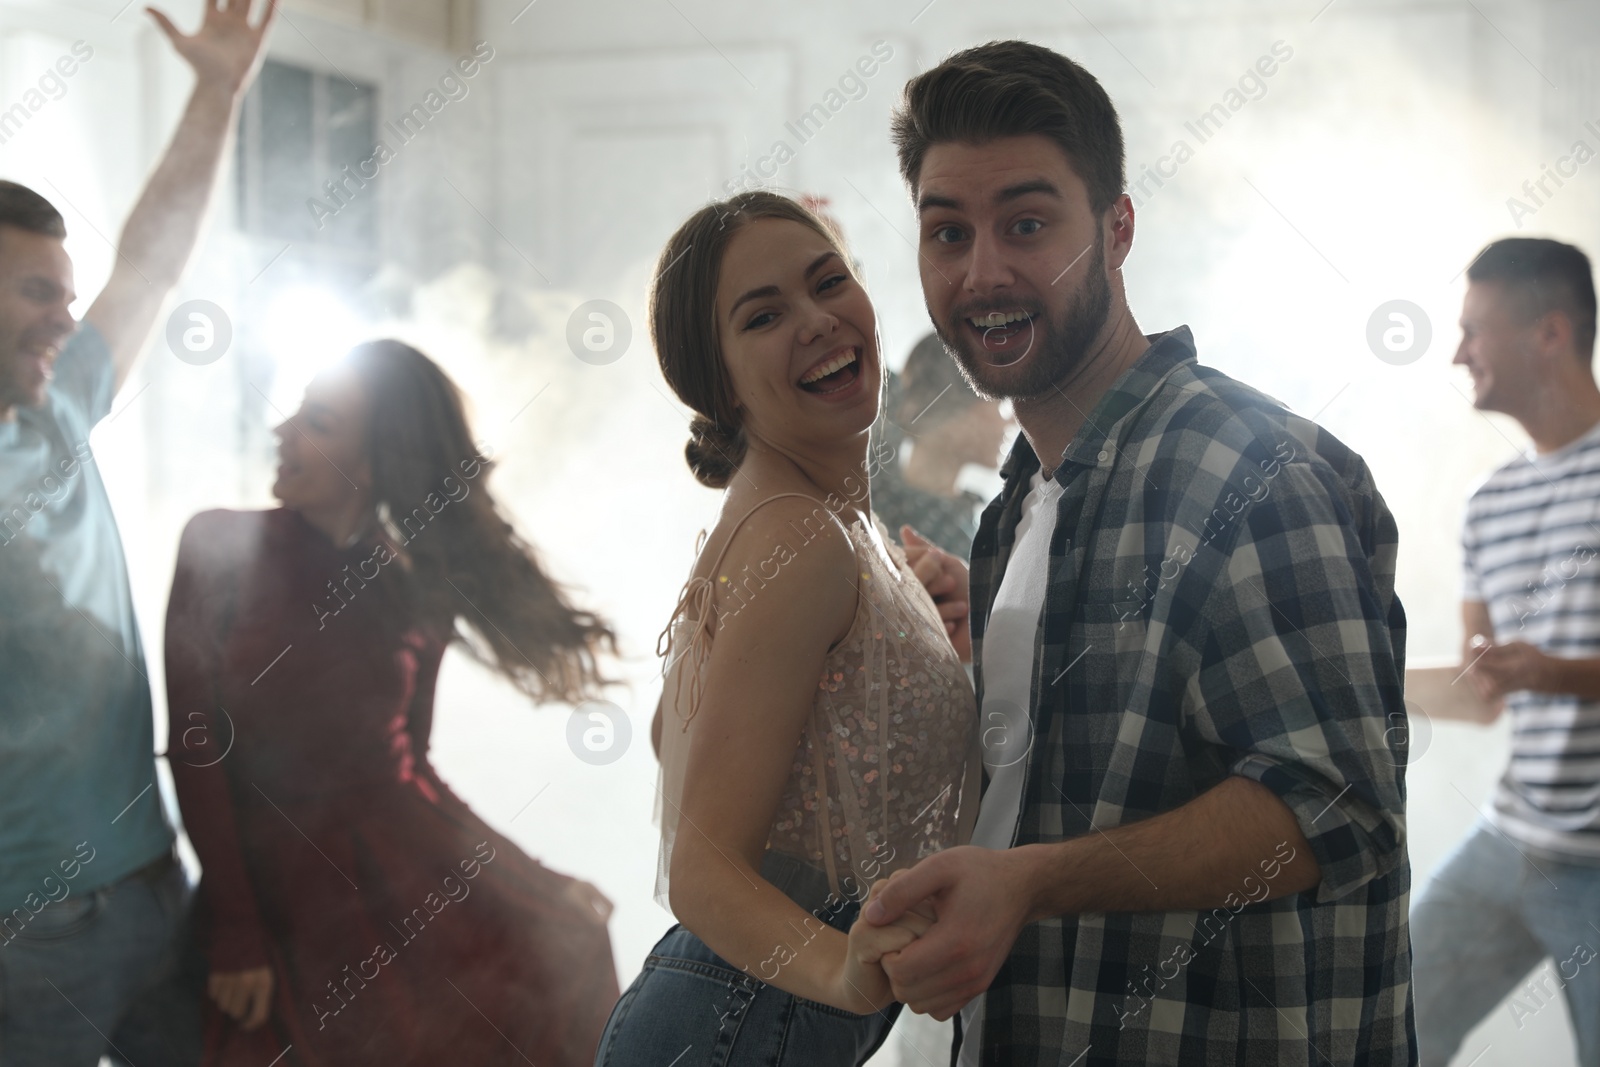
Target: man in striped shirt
{"x": 1525, "y": 884}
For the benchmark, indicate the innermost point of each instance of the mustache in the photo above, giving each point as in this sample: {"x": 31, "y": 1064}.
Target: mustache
{"x": 982, "y": 309}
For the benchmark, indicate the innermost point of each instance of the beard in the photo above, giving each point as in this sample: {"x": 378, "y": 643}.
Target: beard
{"x": 1065, "y": 347}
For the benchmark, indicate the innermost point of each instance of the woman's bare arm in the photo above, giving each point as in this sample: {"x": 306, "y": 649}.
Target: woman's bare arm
{"x": 777, "y": 621}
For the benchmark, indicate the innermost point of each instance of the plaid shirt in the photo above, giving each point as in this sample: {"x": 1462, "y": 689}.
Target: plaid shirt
{"x": 1221, "y": 603}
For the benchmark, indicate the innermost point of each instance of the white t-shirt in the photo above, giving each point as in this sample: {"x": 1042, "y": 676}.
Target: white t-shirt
{"x": 1006, "y": 719}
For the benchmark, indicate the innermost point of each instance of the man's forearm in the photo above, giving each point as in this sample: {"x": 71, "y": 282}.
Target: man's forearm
{"x": 1574, "y": 677}
{"x": 1236, "y": 842}
{"x": 162, "y": 229}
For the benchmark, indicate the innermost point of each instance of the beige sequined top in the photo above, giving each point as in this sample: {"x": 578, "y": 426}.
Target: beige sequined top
{"x": 887, "y": 768}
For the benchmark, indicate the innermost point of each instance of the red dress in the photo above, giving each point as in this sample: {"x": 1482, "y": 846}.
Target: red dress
{"x": 399, "y": 927}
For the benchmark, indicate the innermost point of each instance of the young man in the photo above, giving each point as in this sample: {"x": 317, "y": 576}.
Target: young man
{"x": 91, "y": 897}
{"x": 1525, "y": 883}
{"x": 1191, "y": 848}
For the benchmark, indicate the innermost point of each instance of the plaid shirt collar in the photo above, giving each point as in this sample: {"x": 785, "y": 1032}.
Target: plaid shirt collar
{"x": 1134, "y": 387}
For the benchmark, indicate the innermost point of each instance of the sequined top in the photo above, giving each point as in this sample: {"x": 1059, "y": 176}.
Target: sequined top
{"x": 886, "y": 770}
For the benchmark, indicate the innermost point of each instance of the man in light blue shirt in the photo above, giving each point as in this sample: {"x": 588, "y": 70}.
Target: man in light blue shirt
{"x": 91, "y": 899}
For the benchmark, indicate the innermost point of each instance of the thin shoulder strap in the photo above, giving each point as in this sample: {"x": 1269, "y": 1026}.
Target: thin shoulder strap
{"x": 697, "y": 596}
{"x": 777, "y": 496}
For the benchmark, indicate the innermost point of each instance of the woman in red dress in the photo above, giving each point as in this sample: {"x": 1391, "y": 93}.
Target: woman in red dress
{"x": 353, "y": 909}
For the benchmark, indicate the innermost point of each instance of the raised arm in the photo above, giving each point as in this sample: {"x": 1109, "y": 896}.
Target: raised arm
{"x": 162, "y": 229}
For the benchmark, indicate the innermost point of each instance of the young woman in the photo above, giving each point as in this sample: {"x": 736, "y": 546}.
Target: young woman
{"x": 354, "y": 910}
{"x": 817, "y": 732}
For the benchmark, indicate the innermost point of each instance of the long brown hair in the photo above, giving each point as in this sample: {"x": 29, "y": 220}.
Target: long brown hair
{"x": 683, "y": 323}
{"x": 470, "y": 574}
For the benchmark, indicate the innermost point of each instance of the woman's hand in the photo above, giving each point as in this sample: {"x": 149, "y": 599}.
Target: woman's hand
{"x": 244, "y": 995}
{"x": 862, "y": 982}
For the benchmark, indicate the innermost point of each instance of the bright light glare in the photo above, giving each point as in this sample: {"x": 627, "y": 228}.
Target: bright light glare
{"x": 306, "y": 329}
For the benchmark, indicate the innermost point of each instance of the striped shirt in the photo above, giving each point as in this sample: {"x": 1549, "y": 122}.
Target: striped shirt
{"x": 1220, "y": 602}
{"x": 1531, "y": 539}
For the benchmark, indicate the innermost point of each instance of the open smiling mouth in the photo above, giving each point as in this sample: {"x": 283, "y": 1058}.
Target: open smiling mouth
{"x": 1005, "y": 336}
{"x": 834, "y": 374}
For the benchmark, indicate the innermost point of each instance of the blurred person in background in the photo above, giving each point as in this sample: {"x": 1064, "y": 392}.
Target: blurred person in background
{"x": 1525, "y": 883}
{"x": 93, "y": 898}
{"x": 935, "y": 425}
{"x": 351, "y": 905}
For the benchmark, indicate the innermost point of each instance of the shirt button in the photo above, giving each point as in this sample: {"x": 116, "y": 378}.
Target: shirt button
{"x": 1104, "y": 456}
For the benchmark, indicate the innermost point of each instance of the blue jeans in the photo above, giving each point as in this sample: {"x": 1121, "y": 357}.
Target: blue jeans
{"x": 691, "y": 1008}
{"x": 1485, "y": 920}
{"x": 107, "y": 972}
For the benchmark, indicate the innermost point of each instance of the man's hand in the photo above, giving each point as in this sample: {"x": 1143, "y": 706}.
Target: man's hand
{"x": 944, "y": 576}
{"x": 977, "y": 896}
{"x": 225, "y": 50}
{"x": 861, "y": 977}
{"x": 1510, "y": 668}
{"x": 244, "y": 995}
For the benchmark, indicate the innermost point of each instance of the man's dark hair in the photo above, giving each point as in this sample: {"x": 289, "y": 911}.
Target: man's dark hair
{"x": 1010, "y": 89}
{"x": 27, "y": 210}
{"x": 1542, "y": 276}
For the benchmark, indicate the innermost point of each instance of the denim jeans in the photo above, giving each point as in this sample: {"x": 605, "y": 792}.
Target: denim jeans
{"x": 107, "y": 972}
{"x": 691, "y": 1008}
{"x": 1488, "y": 917}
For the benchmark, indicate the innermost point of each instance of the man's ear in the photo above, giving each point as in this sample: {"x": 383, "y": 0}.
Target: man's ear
{"x": 1549, "y": 337}
{"x": 1119, "y": 229}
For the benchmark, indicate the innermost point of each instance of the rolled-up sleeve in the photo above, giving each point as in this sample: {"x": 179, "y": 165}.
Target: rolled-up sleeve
{"x": 1299, "y": 659}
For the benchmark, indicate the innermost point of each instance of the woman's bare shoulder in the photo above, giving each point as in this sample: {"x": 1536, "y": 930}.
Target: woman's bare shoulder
{"x": 781, "y": 552}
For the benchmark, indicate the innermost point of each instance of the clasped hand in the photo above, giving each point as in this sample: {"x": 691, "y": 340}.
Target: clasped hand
{"x": 1500, "y": 669}
{"x": 933, "y": 936}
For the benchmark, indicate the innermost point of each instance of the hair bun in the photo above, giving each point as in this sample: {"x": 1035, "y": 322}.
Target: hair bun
{"x": 713, "y": 452}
